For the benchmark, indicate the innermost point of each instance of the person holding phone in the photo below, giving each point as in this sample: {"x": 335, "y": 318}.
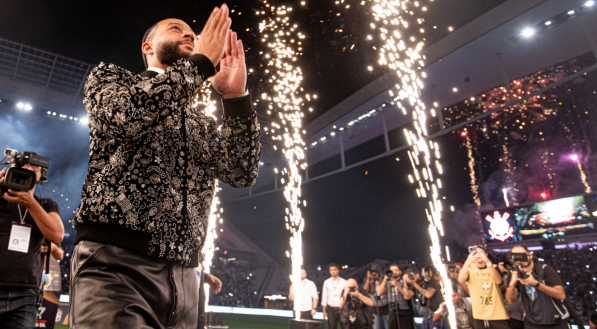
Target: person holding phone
{"x": 483, "y": 281}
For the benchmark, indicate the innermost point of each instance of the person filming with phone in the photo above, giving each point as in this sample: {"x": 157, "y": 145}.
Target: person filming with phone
{"x": 483, "y": 281}
{"x": 541, "y": 290}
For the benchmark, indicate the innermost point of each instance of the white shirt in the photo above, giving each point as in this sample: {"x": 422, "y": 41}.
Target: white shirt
{"x": 332, "y": 290}
{"x": 308, "y": 293}
{"x": 156, "y": 69}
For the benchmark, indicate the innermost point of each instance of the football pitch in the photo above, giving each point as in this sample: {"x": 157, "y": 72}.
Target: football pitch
{"x": 241, "y": 321}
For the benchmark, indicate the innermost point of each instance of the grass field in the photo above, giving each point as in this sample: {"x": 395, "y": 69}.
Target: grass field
{"x": 241, "y": 321}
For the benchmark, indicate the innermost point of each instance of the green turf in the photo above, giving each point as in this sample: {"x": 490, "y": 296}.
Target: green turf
{"x": 241, "y": 321}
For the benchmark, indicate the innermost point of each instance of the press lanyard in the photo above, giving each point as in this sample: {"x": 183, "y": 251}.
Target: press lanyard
{"x": 22, "y": 217}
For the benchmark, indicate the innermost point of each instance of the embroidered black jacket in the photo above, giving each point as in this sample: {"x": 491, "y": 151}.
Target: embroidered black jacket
{"x": 154, "y": 158}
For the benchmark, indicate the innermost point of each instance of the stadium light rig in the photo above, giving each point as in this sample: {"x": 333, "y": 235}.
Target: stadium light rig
{"x": 283, "y": 44}
{"x": 402, "y": 54}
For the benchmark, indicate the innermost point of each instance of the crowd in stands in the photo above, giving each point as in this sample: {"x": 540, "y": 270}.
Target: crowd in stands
{"x": 237, "y": 288}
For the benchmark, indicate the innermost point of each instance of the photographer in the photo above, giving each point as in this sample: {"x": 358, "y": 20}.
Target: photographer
{"x": 483, "y": 281}
{"x": 354, "y": 302}
{"x": 380, "y": 308}
{"x": 541, "y": 290}
{"x": 515, "y": 310}
{"x": 25, "y": 220}
{"x": 429, "y": 295}
{"x": 400, "y": 296}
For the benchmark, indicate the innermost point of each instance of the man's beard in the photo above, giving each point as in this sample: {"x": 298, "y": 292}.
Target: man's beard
{"x": 168, "y": 52}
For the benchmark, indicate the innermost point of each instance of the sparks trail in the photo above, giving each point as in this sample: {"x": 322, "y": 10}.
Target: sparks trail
{"x": 402, "y": 54}
{"x": 283, "y": 44}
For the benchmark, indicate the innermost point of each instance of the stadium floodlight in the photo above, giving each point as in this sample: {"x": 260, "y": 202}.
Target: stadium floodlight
{"x": 528, "y": 32}
{"x": 28, "y": 107}
{"x": 20, "y": 105}
{"x": 589, "y": 3}
{"x": 84, "y": 121}
{"x": 548, "y": 23}
{"x": 571, "y": 12}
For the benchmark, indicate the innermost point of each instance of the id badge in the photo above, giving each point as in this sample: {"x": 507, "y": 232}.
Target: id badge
{"x": 336, "y": 297}
{"x": 20, "y": 234}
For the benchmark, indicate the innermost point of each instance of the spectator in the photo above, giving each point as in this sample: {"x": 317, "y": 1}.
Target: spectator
{"x": 330, "y": 299}
{"x": 309, "y": 297}
{"x": 463, "y": 308}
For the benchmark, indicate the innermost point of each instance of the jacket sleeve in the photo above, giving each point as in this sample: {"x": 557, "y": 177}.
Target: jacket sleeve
{"x": 239, "y": 148}
{"x": 123, "y": 106}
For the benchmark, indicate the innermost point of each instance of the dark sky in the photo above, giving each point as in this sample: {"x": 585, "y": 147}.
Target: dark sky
{"x": 378, "y": 212}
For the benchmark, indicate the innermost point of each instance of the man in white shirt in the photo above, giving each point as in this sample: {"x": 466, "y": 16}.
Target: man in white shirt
{"x": 309, "y": 297}
{"x": 332, "y": 290}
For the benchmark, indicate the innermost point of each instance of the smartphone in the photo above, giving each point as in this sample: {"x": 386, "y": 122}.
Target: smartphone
{"x": 472, "y": 249}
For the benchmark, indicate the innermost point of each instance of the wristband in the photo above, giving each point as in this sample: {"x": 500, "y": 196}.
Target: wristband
{"x": 245, "y": 94}
{"x": 538, "y": 284}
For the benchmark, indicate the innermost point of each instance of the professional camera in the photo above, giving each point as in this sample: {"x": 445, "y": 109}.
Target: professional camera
{"x": 19, "y": 179}
{"x": 510, "y": 263}
{"x": 410, "y": 276}
{"x": 352, "y": 289}
{"x": 390, "y": 274}
{"x": 452, "y": 268}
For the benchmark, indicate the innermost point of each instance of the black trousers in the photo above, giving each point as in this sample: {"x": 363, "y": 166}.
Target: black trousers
{"x": 334, "y": 314}
{"x": 404, "y": 320}
{"x": 116, "y": 288}
{"x": 491, "y": 324}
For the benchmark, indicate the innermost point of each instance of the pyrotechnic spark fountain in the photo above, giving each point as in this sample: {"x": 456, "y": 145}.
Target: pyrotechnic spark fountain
{"x": 283, "y": 44}
{"x": 205, "y": 103}
{"x": 403, "y": 55}
{"x": 583, "y": 177}
{"x": 509, "y": 173}
{"x": 471, "y": 166}
{"x": 474, "y": 186}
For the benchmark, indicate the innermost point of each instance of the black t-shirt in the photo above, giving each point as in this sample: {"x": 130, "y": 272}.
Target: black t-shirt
{"x": 20, "y": 269}
{"x": 437, "y": 297}
{"x": 354, "y": 303}
{"x": 539, "y": 308}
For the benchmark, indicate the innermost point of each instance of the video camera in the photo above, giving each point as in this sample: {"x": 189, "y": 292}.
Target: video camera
{"x": 19, "y": 179}
{"x": 510, "y": 263}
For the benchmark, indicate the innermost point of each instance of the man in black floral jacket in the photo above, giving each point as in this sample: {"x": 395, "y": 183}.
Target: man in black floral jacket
{"x": 153, "y": 162}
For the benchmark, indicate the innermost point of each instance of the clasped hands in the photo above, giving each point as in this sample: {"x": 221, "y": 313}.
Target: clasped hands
{"x": 220, "y": 45}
